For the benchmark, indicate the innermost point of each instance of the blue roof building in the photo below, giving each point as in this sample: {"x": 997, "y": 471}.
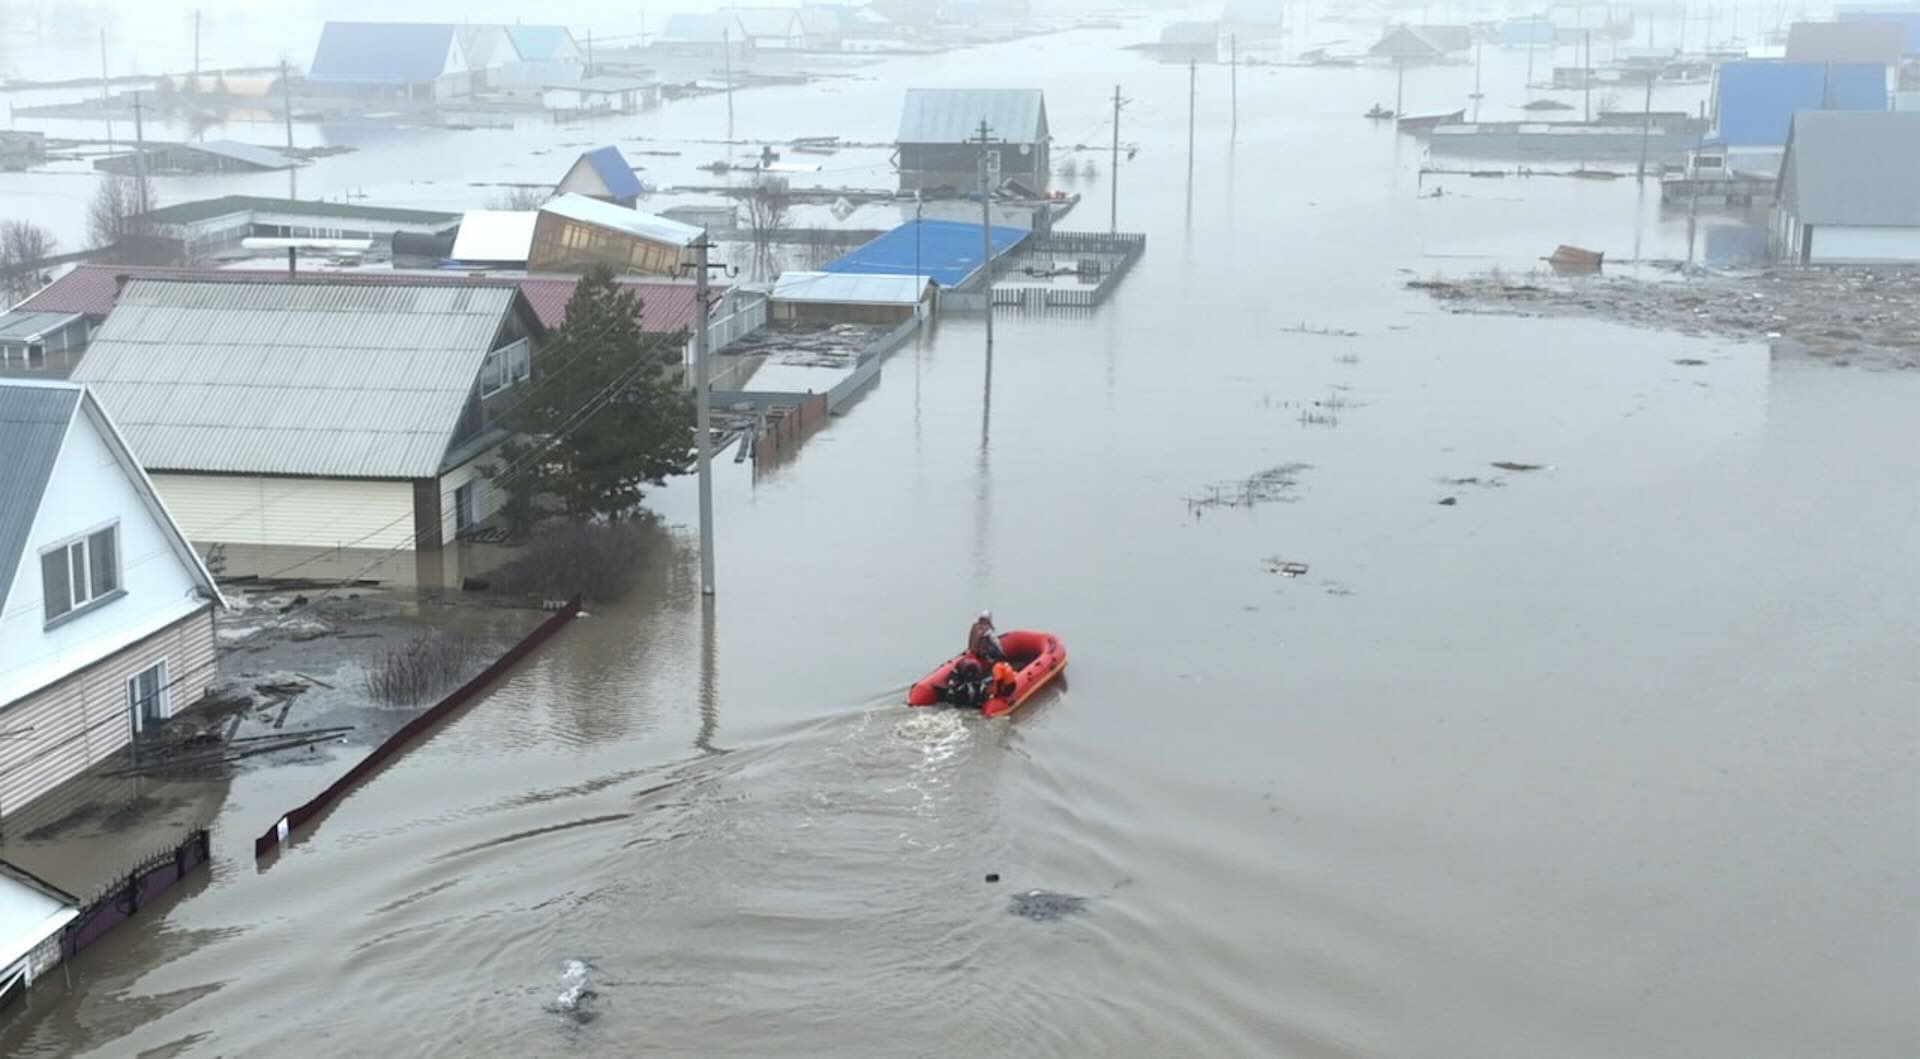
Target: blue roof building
{"x": 418, "y": 59}
{"x": 603, "y": 173}
{"x": 1754, "y": 102}
{"x": 946, "y": 252}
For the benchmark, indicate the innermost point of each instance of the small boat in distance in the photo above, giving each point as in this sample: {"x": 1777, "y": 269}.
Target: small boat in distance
{"x": 1423, "y": 122}
{"x": 1378, "y": 113}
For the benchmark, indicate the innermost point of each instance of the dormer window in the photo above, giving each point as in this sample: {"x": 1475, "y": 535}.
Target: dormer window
{"x": 81, "y": 573}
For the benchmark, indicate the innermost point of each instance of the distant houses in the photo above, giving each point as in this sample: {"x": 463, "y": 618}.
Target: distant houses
{"x": 1754, "y": 103}
{"x": 210, "y": 156}
{"x": 767, "y": 28}
{"x": 428, "y": 62}
{"x": 418, "y": 61}
{"x": 575, "y": 233}
{"x": 1845, "y": 42}
{"x": 1846, "y": 191}
{"x": 315, "y": 414}
{"x": 106, "y": 612}
{"x": 1190, "y": 42}
{"x": 602, "y": 173}
{"x": 938, "y": 144}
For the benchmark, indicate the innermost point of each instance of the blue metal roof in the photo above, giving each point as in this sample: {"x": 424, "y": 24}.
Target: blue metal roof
{"x": 543, "y": 43}
{"x": 612, "y": 169}
{"x": 1908, "y": 18}
{"x": 398, "y": 53}
{"x": 1756, "y": 100}
{"x": 946, "y": 252}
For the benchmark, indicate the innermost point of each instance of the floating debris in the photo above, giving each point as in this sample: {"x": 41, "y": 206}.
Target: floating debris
{"x": 1691, "y": 362}
{"x": 577, "y": 995}
{"x": 1509, "y": 465}
{"x": 1273, "y": 485}
{"x": 1303, "y": 328}
{"x": 1044, "y": 906}
{"x": 1449, "y": 501}
{"x": 1276, "y": 565}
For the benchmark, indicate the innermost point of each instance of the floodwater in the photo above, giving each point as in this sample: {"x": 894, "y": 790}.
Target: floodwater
{"x": 1612, "y": 757}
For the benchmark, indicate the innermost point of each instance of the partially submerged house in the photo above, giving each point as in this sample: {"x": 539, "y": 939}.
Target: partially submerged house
{"x": 1754, "y": 103}
{"x": 195, "y": 231}
{"x": 1847, "y": 189}
{"x": 702, "y": 36}
{"x": 106, "y": 612}
{"x": 316, "y": 413}
{"x": 45, "y": 344}
{"x": 1405, "y": 45}
{"x": 574, "y": 233}
{"x": 1845, "y": 42}
{"x": 939, "y": 130}
{"x": 1189, "y": 42}
{"x": 602, "y": 173}
{"x": 33, "y": 918}
{"x": 419, "y": 61}
{"x": 212, "y": 156}
{"x": 768, "y": 28}
{"x": 850, "y": 297}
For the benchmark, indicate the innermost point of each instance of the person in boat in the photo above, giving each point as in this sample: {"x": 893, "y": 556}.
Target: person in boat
{"x": 982, "y": 643}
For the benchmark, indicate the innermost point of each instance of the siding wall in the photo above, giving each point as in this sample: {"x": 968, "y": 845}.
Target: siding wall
{"x": 304, "y": 512}
{"x": 1834, "y": 243}
{"x": 486, "y": 498}
{"x": 83, "y": 719}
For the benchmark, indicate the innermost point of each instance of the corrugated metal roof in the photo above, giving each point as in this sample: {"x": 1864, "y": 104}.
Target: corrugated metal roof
{"x": 227, "y": 205}
{"x": 1908, "y": 18}
{"x": 495, "y": 236}
{"x": 1756, "y": 100}
{"x": 33, "y": 426}
{"x": 543, "y": 43}
{"x": 90, "y": 290}
{"x": 1844, "y": 42}
{"x": 1404, "y": 42}
{"x": 953, "y": 115}
{"x": 621, "y": 219}
{"x": 25, "y": 325}
{"x": 849, "y": 288}
{"x": 946, "y": 252}
{"x": 612, "y": 169}
{"x": 1854, "y": 168}
{"x": 340, "y": 379}
{"x": 264, "y": 158}
{"x": 397, "y": 53}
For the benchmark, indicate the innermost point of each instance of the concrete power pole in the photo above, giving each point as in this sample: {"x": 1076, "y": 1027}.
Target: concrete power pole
{"x": 1233, "y": 52}
{"x": 286, "y": 104}
{"x": 703, "y": 409}
{"x": 726, "y": 53}
{"x": 986, "y": 228}
{"x": 140, "y": 158}
{"x": 1113, "y": 213}
{"x": 1646, "y": 128}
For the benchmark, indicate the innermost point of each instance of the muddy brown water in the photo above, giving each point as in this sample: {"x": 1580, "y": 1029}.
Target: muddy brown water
{"x": 1612, "y": 757}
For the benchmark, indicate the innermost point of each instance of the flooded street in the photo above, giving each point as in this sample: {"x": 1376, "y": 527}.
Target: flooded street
{"x": 1611, "y": 756}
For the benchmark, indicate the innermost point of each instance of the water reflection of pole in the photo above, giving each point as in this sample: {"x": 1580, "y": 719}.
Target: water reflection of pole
{"x": 1233, "y": 51}
{"x": 1193, "y": 91}
{"x": 709, "y": 681}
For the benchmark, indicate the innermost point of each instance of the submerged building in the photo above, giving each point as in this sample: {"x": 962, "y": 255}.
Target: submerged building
{"x": 1847, "y": 189}
{"x": 939, "y": 137}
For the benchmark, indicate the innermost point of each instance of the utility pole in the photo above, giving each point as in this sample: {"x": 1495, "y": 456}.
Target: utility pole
{"x": 1113, "y": 207}
{"x": 1233, "y": 52}
{"x": 703, "y": 408}
{"x": 286, "y": 104}
{"x": 1477, "y": 94}
{"x": 140, "y": 158}
{"x": 1193, "y": 90}
{"x": 106, "y": 101}
{"x": 196, "y": 49}
{"x": 1646, "y": 128}
{"x": 1399, "y": 88}
{"x": 1533, "y": 37}
{"x": 726, "y": 52}
{"x": 1586, "y": 79}
{"x": 986, "y": 229}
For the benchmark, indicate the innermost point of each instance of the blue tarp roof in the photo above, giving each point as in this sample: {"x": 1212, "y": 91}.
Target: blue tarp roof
{"x": 946, "y": 252}
{"x": 1908, "y": 18}
{"x": 612, "y": 169}
{"x": 1756, "y": 100}
{"x": 542, "y": 43}
{"x": 399, "y": 53}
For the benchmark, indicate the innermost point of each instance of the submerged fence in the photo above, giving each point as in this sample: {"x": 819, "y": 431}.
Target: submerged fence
{"x": 282, "y": 829}
{"x": 123, "y": 898}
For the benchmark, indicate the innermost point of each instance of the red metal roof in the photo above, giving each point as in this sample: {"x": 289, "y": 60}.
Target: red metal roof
{"x": 665, "y": 307}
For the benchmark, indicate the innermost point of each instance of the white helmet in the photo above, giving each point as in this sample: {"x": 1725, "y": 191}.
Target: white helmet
{"x": 986, "y": 616}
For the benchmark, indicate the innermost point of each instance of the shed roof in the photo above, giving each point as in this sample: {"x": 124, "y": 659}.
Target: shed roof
{"x": 495, "y": 236}
{"x": 339, "y": 379}
{"x": 849, "y": 288}
{"x": 1854, "y": 168}
{"x": 614, "y": 171}
{"x": 28, "y": 325}
{"x": 225, "y": 205}
{"x": 31, "y": 911}
{"x": 262, "y": 157}
{"x": 544, "y": 43}
{"x": 666, "y": 306}
{"x": 382, "y": 52}
{"x": 1755, "y": 101}
{"x": 946, "y": 252}
{"x": 1844, "y": 42}
{"x": 953, "y": 115}
{"x": 33, "y": 427}
{"x": 648, "y": 226}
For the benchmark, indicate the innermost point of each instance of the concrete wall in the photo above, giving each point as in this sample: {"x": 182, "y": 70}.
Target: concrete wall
{"x": 1836, "y": 244}
{"x": 309, "y": 512}
{"x": 88, "y": 490}
{"x": 86, "y": 717}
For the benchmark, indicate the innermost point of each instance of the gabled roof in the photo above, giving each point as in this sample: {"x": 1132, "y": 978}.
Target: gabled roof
{"x": 756, "y": 22}
{"x": 1853, "y": 168}
{"x": 382, "y": 52}
{"x": 1844, "y": 42}
{"x": 1205, "y": 34}
{"x": 695, "y": 29}
{"x": 953, "y": 115}
{"x": 485, "y": 46}
{"x": 26, "y": 325}
{"x": 1755, "y": 101}
{"x": 33, "y": 427}
{"x": 346, "y": 379}
{"x": 35, "y": 420}
{"x": 261, "y": 157}
{"x": 544, "y": 43}
{"x": 611, "y": 167}
{"x": 1404, "y": 42}
{"x": 646, "y": 226}
{"x": 1907, "y": 16}
{"x": 1446, "y": 37}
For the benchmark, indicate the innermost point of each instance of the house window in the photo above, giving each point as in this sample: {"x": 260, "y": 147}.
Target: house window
{"x": 36, "y": 355}
{"x": 465, "y": 501}
{"x": 81, "y": 573}
{"x": 493, "y": 374}
{"x": 519, "y": 361}
{"x": 147, "y": 695}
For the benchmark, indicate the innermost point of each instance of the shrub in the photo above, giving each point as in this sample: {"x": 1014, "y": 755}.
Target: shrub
{"x": 422, "y": 667}
{"x": 600, "y": 561}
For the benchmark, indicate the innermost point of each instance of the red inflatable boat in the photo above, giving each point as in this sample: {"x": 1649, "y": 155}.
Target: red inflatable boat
{"x": 1036, "y": 657}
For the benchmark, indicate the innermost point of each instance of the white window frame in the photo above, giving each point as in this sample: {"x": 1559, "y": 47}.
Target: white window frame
{"x": 79, "y": 582}
{"x": 495, "y": 364}
{"x": 159, "y": 701}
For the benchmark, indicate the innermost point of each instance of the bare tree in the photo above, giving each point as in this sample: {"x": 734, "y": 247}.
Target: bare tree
{"x": 24, "y": 250}
{"x": 519, "y": 197}
{"x": 117, "y": 209}
{"x": 769, "y": 209}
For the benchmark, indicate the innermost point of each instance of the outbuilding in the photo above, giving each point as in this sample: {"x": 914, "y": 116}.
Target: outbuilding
{"x": 939, "y": 137}
{"x": 1846, "y": 192}
{"x": 843, "y": 297}
{"x": 574, "y": 233}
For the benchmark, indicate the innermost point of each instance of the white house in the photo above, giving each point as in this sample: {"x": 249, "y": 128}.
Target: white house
{"x": 1847, "y": 188}
{"x": 33, "y": 913}
{"x": 106, "y": 612}
{"x": 316, "y": 413}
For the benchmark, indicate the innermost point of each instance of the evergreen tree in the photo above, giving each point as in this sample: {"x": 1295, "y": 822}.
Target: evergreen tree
{"x": 605, "y": 415}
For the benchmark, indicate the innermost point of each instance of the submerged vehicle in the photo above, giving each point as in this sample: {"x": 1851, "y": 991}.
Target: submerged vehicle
{"x": 1034, "y": 658}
